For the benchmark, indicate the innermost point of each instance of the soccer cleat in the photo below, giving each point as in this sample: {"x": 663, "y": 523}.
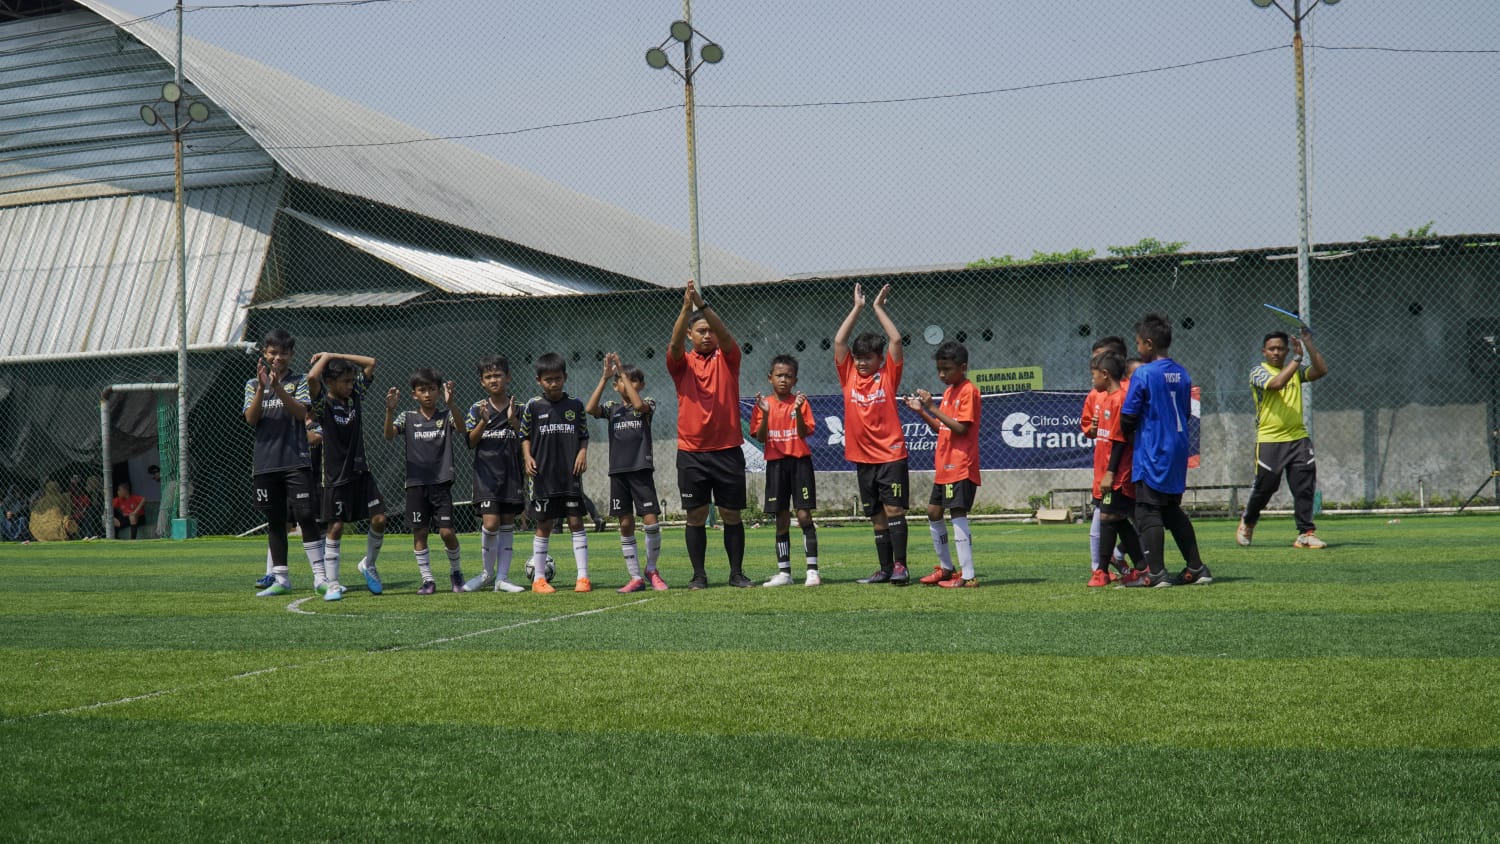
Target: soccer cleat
{"x": 583, "y": 584}
{"x": 372, "y": 577}
{"x": 1147, "y": 581}
{"x": 899, "y": 577}
{"x": 1099, "y": 578}
{"x": 699, "y": 581}
{"x": 738, "y": 580}
{"x": 1243, "y": 533}
{"x": 656, "y": 582}
{"x": 960, "y": 583}
{"x": 938, "y": 575}
{"x": 266, "y": 581}
{"x": 599, "y": 525}
{"x": 321, "y": 587}
{"x": 877, "y": 576}
{"x": 427, "y": 588}
{"x": 636, "y": 584}
{"x": 479, "y": 582}
{"x": 335, "y": 591}
{"x": 273, "y": 590}
{"x": 507, "y": 586}
{"x": 541, "y": 586}
{"x": 1114, "y": 576}
{"x": 782, "y": 578}
{"x": 1130, "y": 577}
{"x": 457, "y": 579}
{"x": 1309, "y": 540}
{"x": 813, "y": 578}
{"x": 1200, "y": 576}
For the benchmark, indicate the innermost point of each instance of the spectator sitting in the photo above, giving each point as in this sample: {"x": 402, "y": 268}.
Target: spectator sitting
{"x": 13, "y": 527}
{"x": 129, "y": 509}
{"x": 50, "y": 519}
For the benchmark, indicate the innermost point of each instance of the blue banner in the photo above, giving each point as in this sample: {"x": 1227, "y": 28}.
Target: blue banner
{"x": 1032, "y": 430}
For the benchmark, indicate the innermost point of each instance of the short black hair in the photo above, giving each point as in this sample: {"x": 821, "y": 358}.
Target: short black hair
{"x": 1110, "y": 364}
{"x": 783, "y": 360}
{"x": 953, "y": 352}
{"x": 1277, "y": 335}
{"x": 338, "y": 368}
{"x": 426, "y": 377}
{"x": 1156, "y": 328}
{"x": 868, "y": 343}
{"x": 695, "y": 316}
{"x": 280, "y": 338}
{"x": 634, "y": 373}
{"x": 488, "y": 362}
{"x": 551, "y": 362}
{"x": 1113, "y": 343}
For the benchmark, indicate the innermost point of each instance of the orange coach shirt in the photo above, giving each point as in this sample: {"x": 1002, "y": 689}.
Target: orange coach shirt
{"x": 782, "y": 438}
{"x": 872, "y": 427}
{"x": 708, "y": 399}
{"x": 1111, "y": 437}
{"x": 957, "y": 456}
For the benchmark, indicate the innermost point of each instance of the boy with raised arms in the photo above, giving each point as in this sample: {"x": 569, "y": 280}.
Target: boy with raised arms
{"x": 428, "y": 433}
{"x": 632, "y": 473}
{"x": 337, "y": 384}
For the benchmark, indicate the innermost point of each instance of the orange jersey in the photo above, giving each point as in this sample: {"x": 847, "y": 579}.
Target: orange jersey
{"x": 708, "y": 399}
{"x": 783, "y": 439}
{"x": 872, "y": 427}
{"x": 957, "y": 456}
{"x": 1111, "y": 437}
{"x": 1090, "y": 407}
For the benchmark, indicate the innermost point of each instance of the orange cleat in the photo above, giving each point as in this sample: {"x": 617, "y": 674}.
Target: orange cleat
{"x": 541, "y": 586}
{"x": 583, "y": 585}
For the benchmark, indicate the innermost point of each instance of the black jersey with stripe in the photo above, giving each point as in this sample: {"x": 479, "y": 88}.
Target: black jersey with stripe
{"x": 497, "y": 458}
{"x": 557, "y": 430}
{"x": 280, "y": 439}
{"x": 629, "y": 436}
{"x": 429, "y": 446}
{"x": 343, "y": 437}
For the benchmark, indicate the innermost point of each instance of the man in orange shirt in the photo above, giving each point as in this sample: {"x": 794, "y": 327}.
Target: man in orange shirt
{"x": 870, "y": 375}
{"x": 710, "y": 464}
{"x": 955, "y": 479}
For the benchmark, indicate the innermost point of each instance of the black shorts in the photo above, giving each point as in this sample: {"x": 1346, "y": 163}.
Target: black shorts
{"x": 496, "y": 507}
{"x": 634, "y": 490}
{"x": 351, "y": 502}
{"x": 293, "y": 488}
{"x": 717, "y": 476}
{"x": 790, "y": 485}
{"x": 429, "y": 506}
{"x": 958, "y": 495}
{"x": 1145, "y": 496}
{"x": 883, "y": 483}
{"x": 1115, "y": 502}
{"x": 552, "y": 508}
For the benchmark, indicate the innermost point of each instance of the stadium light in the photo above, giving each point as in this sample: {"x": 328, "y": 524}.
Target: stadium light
{"x": 682, "y": 31}
{"x": 1304, "y": 285}
{"x": 157, "y": 114}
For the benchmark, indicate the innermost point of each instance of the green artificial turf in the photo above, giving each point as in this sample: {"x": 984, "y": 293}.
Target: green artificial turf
{"x": 1350, "y": 693}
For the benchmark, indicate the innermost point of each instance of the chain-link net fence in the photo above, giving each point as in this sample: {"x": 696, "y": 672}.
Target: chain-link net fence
{"x": 358, "y": 234}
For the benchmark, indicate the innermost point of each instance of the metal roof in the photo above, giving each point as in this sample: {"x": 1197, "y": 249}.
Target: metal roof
{"x": 101, "y": 274}
{"x": 449, "y": 273}
{"x": 329, "y": 141}
{"x": 343, "y": 299}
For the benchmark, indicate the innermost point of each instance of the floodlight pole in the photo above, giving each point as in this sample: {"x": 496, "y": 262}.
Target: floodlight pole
{"x": 683, "y": 31}
{"x": 1304, "y": 249}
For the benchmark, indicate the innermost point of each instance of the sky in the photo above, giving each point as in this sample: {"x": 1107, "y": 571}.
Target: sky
{"x": 1025, "y": 126}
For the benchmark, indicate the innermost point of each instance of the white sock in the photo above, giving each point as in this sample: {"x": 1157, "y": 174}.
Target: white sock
{"x": 653, "y": 546}
{"x": 581, "y": 552}
{"x": 539, "y": 555}
{"x": 453, "y": 559}
{"x": 270, "y": 566}
{"x": 331, "y": 558}
{"x": 1094, "y": 540}
{"x": 632, "y": 561}
{"x": 488, "y": 550}
{"x": 505, "y": 542}
{"x": 282, "y": 575}
{"x": 938, "y": 530}
{"x": 963, "y": 542}
{"x": 314, "y": 552}
{"x": 424, "y": 564}
{"x": 373, "y": 541}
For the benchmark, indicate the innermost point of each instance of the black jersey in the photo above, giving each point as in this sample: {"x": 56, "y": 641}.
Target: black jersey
{"x": 343, "y": 439}
{"x": 280, "y": 440}
{"x": 557, "y": 430}
{"x": 497, "y": 458}
{"x": 429, "y": 446}
{"x": 629, "y": 436}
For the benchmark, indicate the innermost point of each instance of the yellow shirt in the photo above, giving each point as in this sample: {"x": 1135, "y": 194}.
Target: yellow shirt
{"x": 1278, "y": 413}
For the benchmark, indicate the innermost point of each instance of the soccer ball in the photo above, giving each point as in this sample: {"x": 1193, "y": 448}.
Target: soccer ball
{"x": 551, "y": 569}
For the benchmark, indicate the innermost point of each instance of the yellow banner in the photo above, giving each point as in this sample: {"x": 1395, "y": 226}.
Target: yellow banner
{"x": 1014, "y": 380}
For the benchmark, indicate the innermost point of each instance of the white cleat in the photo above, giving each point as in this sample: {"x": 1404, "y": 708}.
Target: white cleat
{"x": 479, "y": 582}
{"x": 782, "y": 578}
{"x": 507, "y": 586}
{"x": 813, "y": 578}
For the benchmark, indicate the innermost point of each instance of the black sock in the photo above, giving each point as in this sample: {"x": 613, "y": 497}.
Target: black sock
{"x": 897, "y": 527}
{"x": 697, "y": 547}
{"x": 734, "y": 546}
{"x": 810, "y": 543}
{"x": 1109, "y": 533}
{"x": 784, "y": 551}
{"x": 883, "y": 550}
{"x": 1130, "y": 541}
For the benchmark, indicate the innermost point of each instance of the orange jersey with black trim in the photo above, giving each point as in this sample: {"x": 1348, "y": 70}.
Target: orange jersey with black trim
{"x": 708, "y": 399}
{"x": 872, "y": 426}
{"x": 783, "y": 439}
{"x": 957, "y": 455}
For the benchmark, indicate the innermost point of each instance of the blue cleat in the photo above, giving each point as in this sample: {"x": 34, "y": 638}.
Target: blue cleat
{"x": 266, "y": 581}
{"x": 273, "y": 590}
{"x": 335, "y": 592}
{"x": 372, "y": 578}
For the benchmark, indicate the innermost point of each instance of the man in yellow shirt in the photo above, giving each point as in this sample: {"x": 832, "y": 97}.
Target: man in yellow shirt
{"x": 1281, "y": 441}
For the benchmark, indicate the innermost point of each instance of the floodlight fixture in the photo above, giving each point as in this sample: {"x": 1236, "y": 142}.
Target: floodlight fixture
{"x": 682, "y": 31}
{"x": 148, "y": 115}
{"x": 656, "y": 57}
{"x": 712, "y": 53}
{"x": 171, "y": 92}
{"x": 197, "y": 112}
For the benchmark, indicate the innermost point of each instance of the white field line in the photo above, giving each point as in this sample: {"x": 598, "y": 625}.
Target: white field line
{"x": 244, "y": 675}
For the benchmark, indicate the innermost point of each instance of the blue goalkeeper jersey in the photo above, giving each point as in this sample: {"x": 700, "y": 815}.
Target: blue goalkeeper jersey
{"x": 1160, "y": 398}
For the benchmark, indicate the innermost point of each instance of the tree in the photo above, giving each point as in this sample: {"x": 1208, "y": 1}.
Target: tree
{"x": 1147, "y": 246}
{"x": 1072, "y": 256}
{"x": 1423, "y": 231}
